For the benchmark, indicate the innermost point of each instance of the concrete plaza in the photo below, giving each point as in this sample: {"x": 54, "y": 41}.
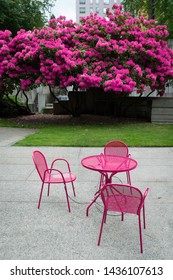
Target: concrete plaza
{"x": 53, "y": 233}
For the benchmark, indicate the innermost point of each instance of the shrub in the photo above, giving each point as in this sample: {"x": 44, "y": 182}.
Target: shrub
{"x": 8, "y": 107}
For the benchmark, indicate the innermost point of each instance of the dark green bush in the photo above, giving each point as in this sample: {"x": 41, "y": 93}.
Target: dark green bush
{"x": 8, "y": 108}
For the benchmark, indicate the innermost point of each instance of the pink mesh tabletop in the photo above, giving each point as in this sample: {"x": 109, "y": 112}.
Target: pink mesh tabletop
{"x": 107, "y": 163}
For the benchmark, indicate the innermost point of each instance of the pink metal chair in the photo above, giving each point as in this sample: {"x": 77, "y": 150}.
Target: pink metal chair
{"x": 124, "y": 199}
{"x": 119, "y": 148}
{"x": 52, "y": 175}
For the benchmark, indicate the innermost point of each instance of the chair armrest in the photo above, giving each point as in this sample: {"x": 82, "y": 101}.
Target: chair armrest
{"x": 146, "y": 192}
{"x": 61, "y": 159}
{"x": 49, "y": 171}
{"x": 144, "y": 196}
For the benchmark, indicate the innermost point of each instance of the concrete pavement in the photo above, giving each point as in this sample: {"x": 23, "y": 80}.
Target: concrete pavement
{"x": 54, "y": 233}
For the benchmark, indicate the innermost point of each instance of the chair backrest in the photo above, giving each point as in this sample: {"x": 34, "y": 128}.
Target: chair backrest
{"x": 116, "y": 147}
{"x": 122, "y": 198}
{"x": 40, "y": 163}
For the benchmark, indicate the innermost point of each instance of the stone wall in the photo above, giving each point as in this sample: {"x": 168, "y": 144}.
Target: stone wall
{"x": 162, "y": 110}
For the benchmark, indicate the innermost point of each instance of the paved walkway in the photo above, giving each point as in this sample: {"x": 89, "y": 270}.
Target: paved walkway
{"x": 9, "y": 136}
{"x": 53, "y": 233}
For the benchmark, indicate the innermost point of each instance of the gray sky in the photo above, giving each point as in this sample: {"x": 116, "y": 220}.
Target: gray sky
{"x": 65, "y": 8}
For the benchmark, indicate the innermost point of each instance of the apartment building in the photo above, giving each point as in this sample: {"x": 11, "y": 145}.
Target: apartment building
{"x": 85, "y": 7}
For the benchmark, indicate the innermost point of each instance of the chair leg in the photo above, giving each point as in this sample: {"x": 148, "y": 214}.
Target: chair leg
{"x": 105, "y": 218}
{"x": 140, "y": 234}
{"x": 68, "y": 203}
{"x": 88, "y": 207}
{"x": 40, "y": 195}
{"x": 101, "y": 227}
{"x": 128, "y": 177}
{"x": 48, "y": 190}
{"x": 144, "y": 221}
{"x": 122, "y": 216}
{"x": 91, "y": 203}
{"x": 102, "y": 181}
{"x": 73, "y": 189}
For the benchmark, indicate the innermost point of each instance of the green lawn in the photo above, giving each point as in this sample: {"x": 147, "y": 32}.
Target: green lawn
{"x": 134, "y": 134}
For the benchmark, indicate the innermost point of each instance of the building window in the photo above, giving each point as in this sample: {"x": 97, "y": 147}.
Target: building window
{"x": 115, "y": 1}
{"x": 91, "y": 9}
{"x": 82, "y": 10}
{"x": 82, "y": 2}
{"x": 91, "y": 1}
{"x": 97, "y": 1}
{"x": 104, "y": 10}
{"x": 106, "y": 2}
{"x": 97, "y": 10}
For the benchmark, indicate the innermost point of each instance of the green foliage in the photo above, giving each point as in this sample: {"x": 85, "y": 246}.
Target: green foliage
{"x": 161, "y": 10}
{"x": 23, "y": 14}
{"x": 132, "y": 6}
{"x": 8, "y": 107}
{"x": 164, "y": 14}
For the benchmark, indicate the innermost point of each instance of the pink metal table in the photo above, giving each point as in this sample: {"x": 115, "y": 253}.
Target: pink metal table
{"x": 109, "y": 165}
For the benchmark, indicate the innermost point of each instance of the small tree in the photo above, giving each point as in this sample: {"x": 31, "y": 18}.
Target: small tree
{"x": 119, "y": 53}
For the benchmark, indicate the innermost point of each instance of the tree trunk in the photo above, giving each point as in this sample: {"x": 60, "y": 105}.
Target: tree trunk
{"x": 151, "y": 9}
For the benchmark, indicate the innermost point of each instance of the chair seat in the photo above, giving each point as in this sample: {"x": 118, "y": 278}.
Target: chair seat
{"x": 57, "y": 178}
{"x": 123, "y": 203}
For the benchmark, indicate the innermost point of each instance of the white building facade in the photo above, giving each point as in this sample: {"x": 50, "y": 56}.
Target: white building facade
{"x": 85, "y": 7}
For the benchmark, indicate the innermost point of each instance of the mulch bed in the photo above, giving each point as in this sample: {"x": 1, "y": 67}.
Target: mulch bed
{"x": 69, "y": 120}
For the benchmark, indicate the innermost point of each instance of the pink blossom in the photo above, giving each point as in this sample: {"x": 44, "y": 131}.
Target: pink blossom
{"x": 118, "y": 54}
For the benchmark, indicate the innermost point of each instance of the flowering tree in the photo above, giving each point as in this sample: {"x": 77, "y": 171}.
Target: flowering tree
{"x": 119, "y": 53}
{"x": 4, "y": 58}
{"x": 58, "y": 57}
{"x": 18, "y": 62}
{"x": 123, "y": 53}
